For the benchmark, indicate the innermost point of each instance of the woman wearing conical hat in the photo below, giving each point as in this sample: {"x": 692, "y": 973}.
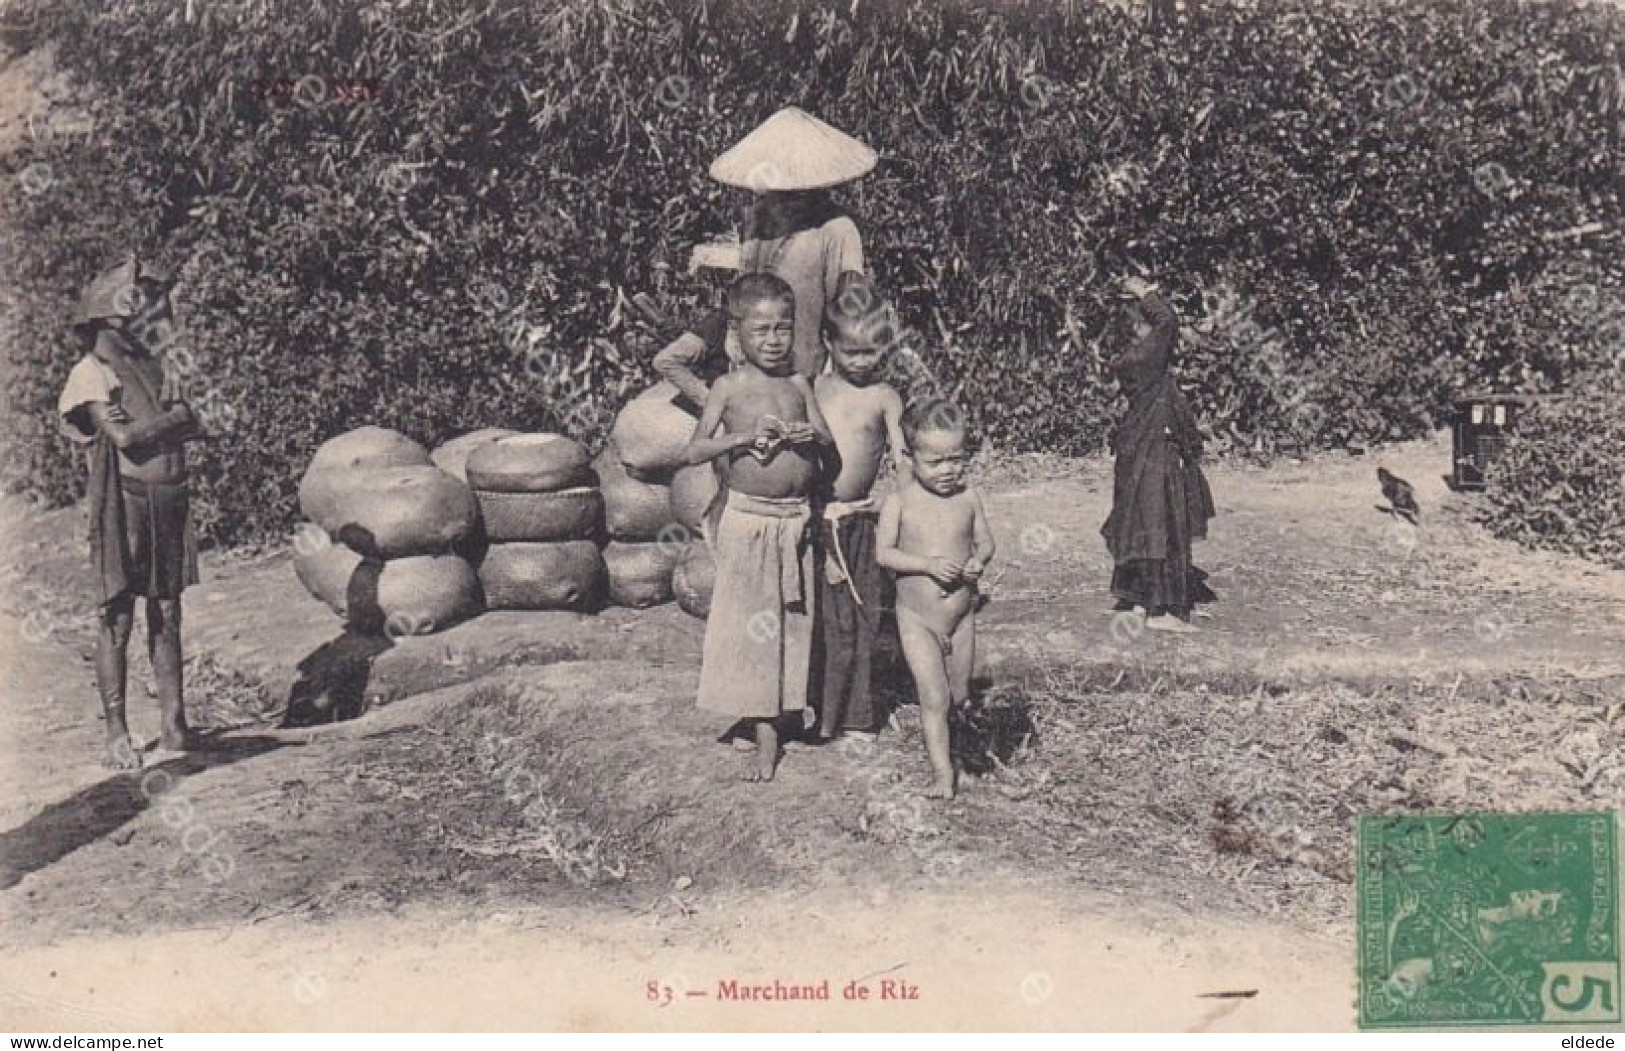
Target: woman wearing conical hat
{"x": 794, "y": 231}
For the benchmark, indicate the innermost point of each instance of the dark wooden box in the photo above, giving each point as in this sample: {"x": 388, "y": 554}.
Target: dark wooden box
{"x": 1482, "y": 423}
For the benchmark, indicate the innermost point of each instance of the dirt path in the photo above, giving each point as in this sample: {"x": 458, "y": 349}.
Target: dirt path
{"x": 393, "y": 849}
{"x": 1314, "y": 581}
{"x": 994, "y": 961}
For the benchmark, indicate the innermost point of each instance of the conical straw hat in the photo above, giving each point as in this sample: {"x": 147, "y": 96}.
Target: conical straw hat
{"x": 793, "y": 150}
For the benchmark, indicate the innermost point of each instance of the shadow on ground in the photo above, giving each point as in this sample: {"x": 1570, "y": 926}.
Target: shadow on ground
{"x": 101, "y": 809}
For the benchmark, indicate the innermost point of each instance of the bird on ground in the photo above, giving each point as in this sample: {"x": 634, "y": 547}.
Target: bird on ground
{"x": 1401, "y": 497}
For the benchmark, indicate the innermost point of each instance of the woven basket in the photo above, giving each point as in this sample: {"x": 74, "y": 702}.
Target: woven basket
{"x": 571, "y": 514}
{"x": 452, "y": 457}
{"x": 530, "y": 463}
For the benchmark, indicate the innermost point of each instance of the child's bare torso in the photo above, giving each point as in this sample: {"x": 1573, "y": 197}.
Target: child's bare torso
{"x": 857, "y": 420}
{"x": 787, "y": 471}
{"x": 936, "y": 527}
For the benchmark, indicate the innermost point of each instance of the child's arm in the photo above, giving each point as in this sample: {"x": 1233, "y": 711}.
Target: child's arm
{"x": 1149, "y": 353}
{"x": 1155, "y": 349}
{"x": 704, "y": 446}
{"x": 891, "y": 412}
{"x": 945, "y": 571}
{"x": 816, "y": 428}
{"x": 171, "y": 396}
{"x": 127, "y": 435}
{"x": 675, "y": 362}
{"x": 982, "y": 545}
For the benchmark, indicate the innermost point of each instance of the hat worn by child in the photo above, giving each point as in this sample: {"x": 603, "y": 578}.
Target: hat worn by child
{"x": 116, "y": 292}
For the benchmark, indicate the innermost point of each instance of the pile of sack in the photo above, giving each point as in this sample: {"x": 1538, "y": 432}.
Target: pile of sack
{"x": 656, "y": 516}
{"x": 499, "y": 519}
{"x": 543, "y": 514}
{"x": 389, "y": 534}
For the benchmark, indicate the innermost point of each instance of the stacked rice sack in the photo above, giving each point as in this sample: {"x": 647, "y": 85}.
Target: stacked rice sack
{"x": 452, "y": 456}
{"x": 642, "y": 473}
{"x": 547, "y": 526}
{"x": 694, "y": 577}
{"x": 543, "y": 513}
{"x": 386, "y": 534}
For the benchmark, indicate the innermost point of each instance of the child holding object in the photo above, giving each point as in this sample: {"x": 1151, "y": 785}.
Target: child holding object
{"x": 1161, "y": 502}
{"x": 934, "y": 536}
{"x": 758, "y": 637}
{"x": 865, "y": 417}
{"x": 121, "y": 402}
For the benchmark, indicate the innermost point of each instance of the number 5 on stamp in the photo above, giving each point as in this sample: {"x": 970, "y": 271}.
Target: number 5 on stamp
{"x": 1580, "y": 992}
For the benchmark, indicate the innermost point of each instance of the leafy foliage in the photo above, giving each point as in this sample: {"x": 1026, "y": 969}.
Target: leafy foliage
{"x": 1562, "y": 484}
{"x": 1322, "y": 162}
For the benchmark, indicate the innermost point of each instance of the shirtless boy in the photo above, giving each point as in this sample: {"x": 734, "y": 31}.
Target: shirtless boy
{"x": 934, "y": 536}
{"x": 758, "y": 637}
{"x": 121, "y": 402}
{"x": 865, "y": 416}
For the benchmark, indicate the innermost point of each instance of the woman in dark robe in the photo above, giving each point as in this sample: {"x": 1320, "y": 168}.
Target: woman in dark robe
{"x": 1160, "y": 500}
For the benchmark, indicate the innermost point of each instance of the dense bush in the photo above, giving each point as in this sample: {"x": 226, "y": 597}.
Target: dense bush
{"x": 1382, "y": 187}
{"x": 1561, "y": 485}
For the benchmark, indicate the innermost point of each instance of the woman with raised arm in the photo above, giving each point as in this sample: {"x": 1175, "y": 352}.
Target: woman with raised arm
{"x": 1160, "y": 499}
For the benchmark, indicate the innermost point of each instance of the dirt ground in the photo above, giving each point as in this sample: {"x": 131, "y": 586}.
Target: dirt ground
{"x": 530, "y": 821}
{"x": 529, "y": 826}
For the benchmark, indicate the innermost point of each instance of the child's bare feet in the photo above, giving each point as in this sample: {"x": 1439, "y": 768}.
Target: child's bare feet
{"x": 765, "y": 766}
{"x": 172, "y": 739}
{"x": 759, "y": 773}
{"x": 122, "y": 753}
{"x": 1170, "y": 623}
{"x": 767, "y": 753}
{"x": 941, "y": 787}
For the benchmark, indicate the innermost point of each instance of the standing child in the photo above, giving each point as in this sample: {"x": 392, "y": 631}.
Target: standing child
{"x": 934, "y": 535}
{"x": 865, "y": 417}
{"x": 758, "y": 637}
{"x": 121, "y": 402}
{"x": 1161, "y": 502}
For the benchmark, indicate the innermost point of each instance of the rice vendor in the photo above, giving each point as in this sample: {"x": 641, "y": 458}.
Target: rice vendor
{"x": 121, "y": 402}
{"x": 794, "y": 231}
{"x": 1160, "y": 499}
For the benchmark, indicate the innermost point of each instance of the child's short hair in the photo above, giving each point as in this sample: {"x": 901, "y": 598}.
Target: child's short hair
{"x": 932, "y": 413}
{"x": 751, "y": 289}
{"x": 856, "y": 308}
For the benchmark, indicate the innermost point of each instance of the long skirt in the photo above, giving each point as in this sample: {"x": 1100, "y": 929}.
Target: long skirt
{"x": 758, "y": 637}
{"x": 848, "y": 623}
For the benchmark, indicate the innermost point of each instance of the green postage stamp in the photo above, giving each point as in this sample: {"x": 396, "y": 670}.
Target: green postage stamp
{"x": 1488, "y": 920}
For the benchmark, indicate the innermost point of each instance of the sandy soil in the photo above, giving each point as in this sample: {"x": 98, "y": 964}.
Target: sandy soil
{"x": 990, "y": 961}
